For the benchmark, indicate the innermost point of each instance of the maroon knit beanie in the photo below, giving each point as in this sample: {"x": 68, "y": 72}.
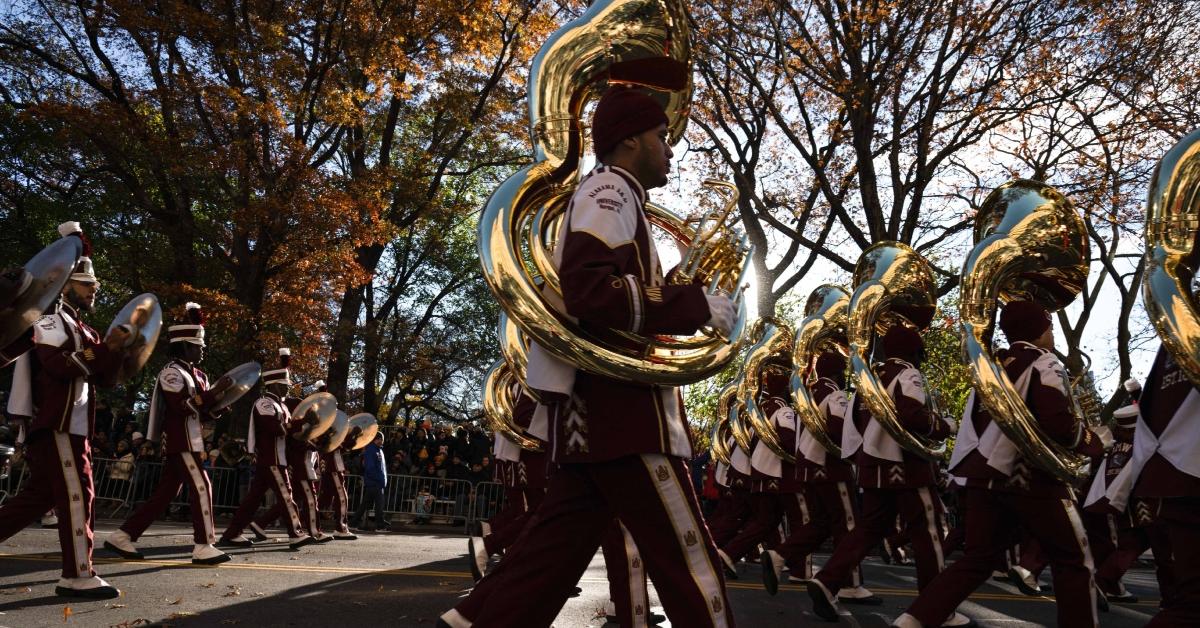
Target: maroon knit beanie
{"x": 623, "y": 112}
{"x": 902, "y": 342}
{"x": 1024, "y": 320}
{"x": 831, "y": 364}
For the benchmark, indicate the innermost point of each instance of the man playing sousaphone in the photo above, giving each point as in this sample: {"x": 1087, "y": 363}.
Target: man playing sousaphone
{"x": 895, "y": 481}
{"x": 67, "y": 363}
{"x": 621, "y": 446}
{"x": 180, "y": 403}
{"x": 1003, "y": 490}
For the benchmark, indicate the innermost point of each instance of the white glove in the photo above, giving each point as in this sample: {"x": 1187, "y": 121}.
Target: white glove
{"x": 720, "y": 313}
{"x": 1105, "y": 435}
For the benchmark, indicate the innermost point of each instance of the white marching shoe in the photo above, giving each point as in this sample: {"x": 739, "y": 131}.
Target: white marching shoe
{"x": 93, "y": 587}
{"x": 49, "y": 520}
{"x": 908, "y": 621}
{"x": 207, "y": 554}
{"x": 120, "y": 544}
{"x": 858, "y": 595}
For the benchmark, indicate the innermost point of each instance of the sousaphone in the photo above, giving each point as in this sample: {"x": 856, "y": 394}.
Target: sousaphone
{"x": 823, "y": 329}
{"x": 771, "y": 350}
{"x": 1031, "y": 244}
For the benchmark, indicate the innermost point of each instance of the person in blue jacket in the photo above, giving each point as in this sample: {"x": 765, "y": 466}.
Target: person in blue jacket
{"x": 374, "y": 481}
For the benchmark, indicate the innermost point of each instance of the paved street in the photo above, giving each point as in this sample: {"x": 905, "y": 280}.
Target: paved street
{"x": 402, "y": 580}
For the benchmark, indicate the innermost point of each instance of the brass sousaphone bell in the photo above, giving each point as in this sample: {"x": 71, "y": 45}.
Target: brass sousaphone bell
{"x": 1032, "y": 245}
{"x": 316, "y": 412}
{"x": 893, "y": 286}
{"x": 363, "y": 428}
{"x": 719, "y": 442}
{"x": 729, "y": 405}
{"x": 826, "y": 314}
{"x": 634, "y": 42}
{"x": 498, "y": 406}
{"x": 774, "y": 343}
{"x": 1172, "y": 224}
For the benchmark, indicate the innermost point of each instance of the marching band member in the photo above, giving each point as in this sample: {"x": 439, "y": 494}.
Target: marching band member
{"x": 333, "y": 486}
{"x": 67, "y": 363}
{"x": 733, "y": 507}
{"x": 181, "y": 400}
{"x": 268, "y": 433}
{"x": 774, "y": 487}
{"x": 1119, "y": 536}
{"x": 1003, "y": 490}
{"x": 894, "y": 481}
{"x": 621, "y": 446}
{"x": 828, "y": 489}
{"x": 1164, "y": 471}
{"x": 300, "y": 457}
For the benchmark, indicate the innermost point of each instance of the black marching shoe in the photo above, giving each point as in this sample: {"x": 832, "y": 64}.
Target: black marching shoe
{"x": 92, "y": 588}
{"x": 259, "y": 533}
{"x": 238, "y": 541}
{"x": 822, "y": 607}
{"x": 301, "y": 541}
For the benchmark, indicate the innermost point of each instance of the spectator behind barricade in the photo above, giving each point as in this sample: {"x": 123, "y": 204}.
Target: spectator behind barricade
{"x": 486, "y": 463}
{"x": 422, "y": 505}
{"x": 481, "y": 445}
{"x": 104, "y": 422}
{"x": 101, "y": 446}
{"x": 479, "y": 474}
{"x": 374, "y": 482}
{"x": 127, "y": 430}
{"x": 456, "y": 470}
{"x": 138, "y": 439}
{"x": 121, "y": 471}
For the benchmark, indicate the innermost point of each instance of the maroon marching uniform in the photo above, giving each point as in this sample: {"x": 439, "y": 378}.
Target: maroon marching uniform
{"x": 775, "y": 489}
{"x": 1166, "y": 466}
{"x": 180, "y": 394}
{"x": 525, "y": 484}
{"x": 733, "y": 505}
{"x": 621, "y": 446}
{"x": 827, "y": 487}
{"x": 267, "y": 425}
{"x": 333, "y": 489}
{"x": 894, "y": 482}
{"x": 1002, "y": 491}
{"x": 301, "y": 475}
{"x": 67, "y": 361}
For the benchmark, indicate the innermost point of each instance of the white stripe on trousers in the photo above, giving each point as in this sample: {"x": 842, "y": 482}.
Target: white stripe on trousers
{"x": 284, "y": 493}
{"x": 805, "y": 517}
{"x": 675, "y": 503}
{"x": 636, "y": 583}
{"x": 76, "y": 522}
{"x": 931, "y": 526}
{"x": 202, "y": 490}
{"x": 1081, "y": 540}
{"x": 306, "y": 487}
{"x": 848, "y": 512}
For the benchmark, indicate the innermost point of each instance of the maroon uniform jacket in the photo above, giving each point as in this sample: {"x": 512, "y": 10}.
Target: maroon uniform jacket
{"x": 1114, "y": 462}
{"x": 914, "y": 416}
{"x": 69, "y": 357}
{"x": 779, "y": 412}
{"x": 298, "y": 453}
{"x": 1166, "y": 390}
{"x": 179, "y": 393}
{"x": 834, "y": 469}
{"x": 267, "y": 422}
{"x": 612, "y": 280}
{"x": 1050, "y": 406}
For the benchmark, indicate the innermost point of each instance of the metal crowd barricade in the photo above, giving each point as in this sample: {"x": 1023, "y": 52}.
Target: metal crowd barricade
{"x": 424, "y": 499}
{"x": 113, "y": 481}
{"x": 489, "y": 499}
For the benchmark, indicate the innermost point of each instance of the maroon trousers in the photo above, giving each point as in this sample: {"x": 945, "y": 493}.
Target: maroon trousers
{"x": 652, "y": 495}
{"x": 733, "y": 508}
{"x": 506, "y": 534}
{"x": 333, "y": 491}
{"x": 626, "y": 577}
{"x": 1180, "y": 518}
{"x": 827, "y": 510}
{"x": 304, "y": 497}
{"x": 767, "y": 512}
{"x": 916, "y": 507}
{"x": 1054, "y": 522}
{"x": 178, "y": 469}
{"x": 60, "y": 468}
{"x": 266, "y": 478}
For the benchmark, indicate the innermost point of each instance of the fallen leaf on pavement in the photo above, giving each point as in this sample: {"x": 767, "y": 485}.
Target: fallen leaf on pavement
{"x": 115, "y": 605}
{"x": 177, "y": 601}
{"x": 181, "y": 615}
{"x": 66, "y": 613}
{"x": 208, "y": 585}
